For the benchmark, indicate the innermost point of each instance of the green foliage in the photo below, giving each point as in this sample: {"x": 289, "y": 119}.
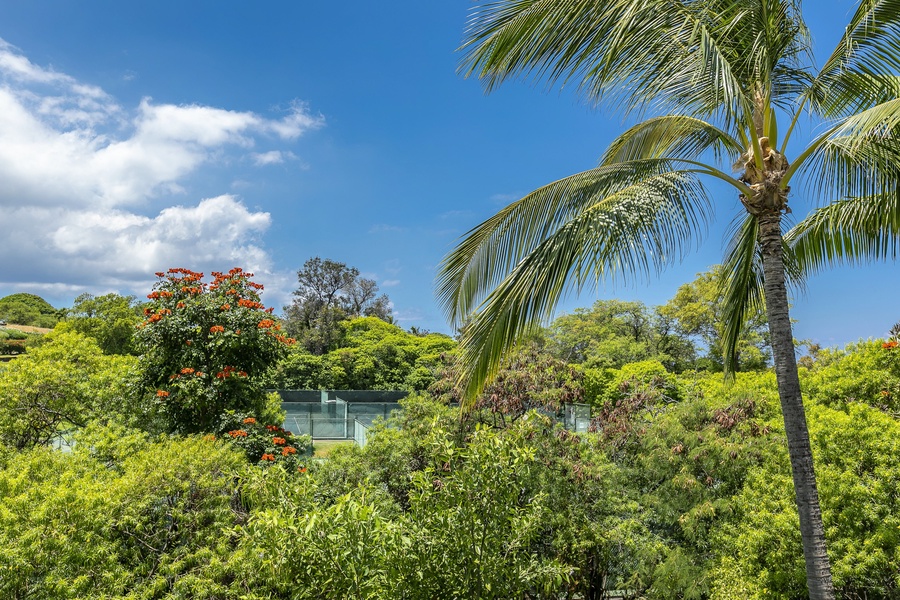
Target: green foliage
{"x": 110, "y": 319}
{"x": 13, "y": 334}
{"x": 858, "y": 453}
{"x": 299, "y": 549}
{"x": 206, "y": 347}
{"x": 442, "y": 508}
{"x": 609, "y": 334}
{"x": 867, "y": 372}
{"x": 478, "y": 519}
{"x": 28, "y": 309}
{"x": 60, "y": 385}
{"x": 373, "y": 355}
{"x": 119, "y": 517}
{"x": 698, "y": 311}
{"x": 604, "y": 387}
{"x": 266, "y": 445}
{"x": 681, "y": 489}
{"x": 530, "y": 378}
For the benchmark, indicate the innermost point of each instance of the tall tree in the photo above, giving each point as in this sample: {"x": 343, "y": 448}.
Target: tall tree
{"x": 110, "y": 319}
{"x": 612, "y": 333}
{"x": 722, "y": 75}
{"x": 331, "y": 292}
{"x": 697, "y": 311}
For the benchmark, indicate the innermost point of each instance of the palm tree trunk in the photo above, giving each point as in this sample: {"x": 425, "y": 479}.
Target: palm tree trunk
{"x": 818, "y": 567}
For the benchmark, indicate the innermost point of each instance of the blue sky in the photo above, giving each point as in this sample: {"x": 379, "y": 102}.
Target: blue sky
{"x": 135, "y": 137}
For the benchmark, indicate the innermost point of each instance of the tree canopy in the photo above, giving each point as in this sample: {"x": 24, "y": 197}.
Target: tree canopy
{"x": 28, "y": 309}
{"x": 331, "y": 292}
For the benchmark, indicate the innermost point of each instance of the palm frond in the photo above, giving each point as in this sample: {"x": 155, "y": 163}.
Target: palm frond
{"x": 848, "y": 92}
{"x": 850, "y": 231}
{"x": 742, "y": 286}
{"x": 673, "y": 136}
{"x": 637, "y": 229}
{"x": 858, "y": 157}
{"x": 858, "y": 74}
{"x": 771, "y": 46}
{"x": 488, "y": 252}
{"x": 662, "y": 52}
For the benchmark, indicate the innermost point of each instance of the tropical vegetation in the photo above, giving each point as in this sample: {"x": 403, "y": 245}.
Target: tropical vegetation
{"x": 726, "y": 83}
{"x": 681, "y": 488}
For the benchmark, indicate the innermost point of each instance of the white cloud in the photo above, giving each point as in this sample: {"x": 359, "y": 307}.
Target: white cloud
{"x": 273, "y": 157}
{"x": 15, "y": 65}
{"x": 119, "y": 248}
{"x": 393, "y": 266}
{"x": 78, "y": 172}
{"x": 390, "y": 282}
{"x": 409, "y": 315}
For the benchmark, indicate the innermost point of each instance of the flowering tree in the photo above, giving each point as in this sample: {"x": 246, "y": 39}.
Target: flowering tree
{"x": 205, "y": 347}
{"x": 266, "y": 445}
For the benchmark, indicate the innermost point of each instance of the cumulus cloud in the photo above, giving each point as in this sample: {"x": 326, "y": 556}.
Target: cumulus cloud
{"x": 120, "y": 248}
{"x": 86, "y": 184}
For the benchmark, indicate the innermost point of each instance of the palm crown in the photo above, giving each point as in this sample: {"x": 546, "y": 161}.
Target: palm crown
{"x": 730, "y": 80}
{"x": 725, "y": 73}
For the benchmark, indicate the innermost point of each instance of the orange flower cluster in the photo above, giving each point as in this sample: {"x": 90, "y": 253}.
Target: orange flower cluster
{"x": 278, "y": 441}
{"x": 285, "y": 340}
{"x": 179, "y": 305}
{"x": 266, "y": 323}
{"x": 208, "y": 438}
{"x": 268, "y": 457}
{"x": 890, "y": 344}
{"x": 225, "y": 307}
{"x": 270, "y": 310}
{"x": 188, "y": 342}
{"x": 301, "y": 469}
{"x": 160, "y": 274}
{"x": 255, "y": 286}
{"x": 249, "y": 303}
{"x": 288, "y": 450}
{"x": 187, "y": 371}
{"x": 155, "y": 318}
{"x": 216, "y": 329}
{"x": 166, "y": 294}
{"x": 164, "y": 311}
{"x": 249, "y": 420}
{"x": 229, "y": 371}
{"x": 191, "y": 290}
{"x": 237, "y": 433}
{"x": 188, "y": 275}
{"x": 162, "y": 393}
{"x": 273, "y": 427}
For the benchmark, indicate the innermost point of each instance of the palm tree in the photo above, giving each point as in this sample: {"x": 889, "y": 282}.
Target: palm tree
{"x": 721, "y": 75}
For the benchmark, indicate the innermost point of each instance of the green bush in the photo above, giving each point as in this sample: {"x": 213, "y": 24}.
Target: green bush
{"x": 119, "y": 517}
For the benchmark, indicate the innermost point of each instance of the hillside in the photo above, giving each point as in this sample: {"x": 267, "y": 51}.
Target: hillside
{"x": 28, "y": 309}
